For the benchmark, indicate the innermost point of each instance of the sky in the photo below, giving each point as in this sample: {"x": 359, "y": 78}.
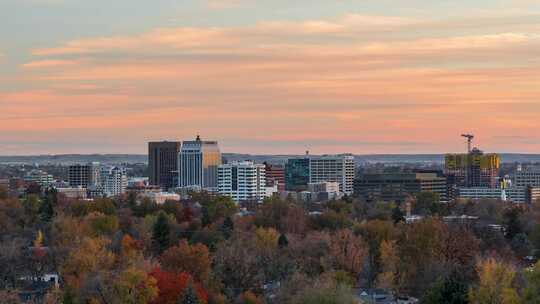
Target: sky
{"x": 269, "y": 76}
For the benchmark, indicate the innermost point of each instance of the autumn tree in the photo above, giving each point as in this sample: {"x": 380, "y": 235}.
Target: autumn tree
{"x": 495, "y": 284}
{"x": 172, "y": 286}
{"x": 349, "y": 251}
{"x": 134, "y": 286}
{"x": 193, "y": 259}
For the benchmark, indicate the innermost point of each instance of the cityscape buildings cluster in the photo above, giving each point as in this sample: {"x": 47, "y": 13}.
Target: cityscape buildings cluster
{"x": 175, "y": 168}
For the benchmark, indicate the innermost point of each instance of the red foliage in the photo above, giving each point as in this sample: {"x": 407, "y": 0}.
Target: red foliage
{"x": 173, "y": 285}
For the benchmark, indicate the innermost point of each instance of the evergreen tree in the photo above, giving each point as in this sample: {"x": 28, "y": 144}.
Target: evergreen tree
{"x": 450, "y": 290}
{"x": 397, "y": 215}
{"x": 205, "y": 218}
{"x": 513, "y": 224}
{"x": 283, "y": 241}
{"x": 161, "y": 232}
{"x": 189, "y": 297}
{"x": 227, "y": 228}
{"x": 46, "y": 210}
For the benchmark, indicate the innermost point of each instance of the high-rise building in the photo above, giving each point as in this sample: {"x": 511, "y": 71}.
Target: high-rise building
{"x": 242, "y": 181}
{"x": 84, "y": 176}
{"x": 163, "y": 163}
{"x": 198, "y": 163}
{"x": 474, "y": 169}
{"x": 297, "y": 174}
{"x": 333, "y": 168}
{"x": 113, "y": 181}
{"x": 398, "y": 186}
{"x": 300, "y": 172}
{"x": 275, "y": 175}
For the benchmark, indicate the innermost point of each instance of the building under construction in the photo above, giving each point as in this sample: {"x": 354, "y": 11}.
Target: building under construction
{"x": 473, "y": 169}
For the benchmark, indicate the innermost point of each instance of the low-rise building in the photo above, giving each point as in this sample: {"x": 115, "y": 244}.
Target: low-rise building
{"x": 161, "y": 197}
{"x": 398, "y": 186}
{"x": 39, "y": 177}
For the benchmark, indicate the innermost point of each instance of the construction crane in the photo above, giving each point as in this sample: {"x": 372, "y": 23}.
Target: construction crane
{"x": 469, "y": 141}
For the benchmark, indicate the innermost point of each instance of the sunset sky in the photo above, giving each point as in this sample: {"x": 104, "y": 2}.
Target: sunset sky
{"x": 272, "y": 76}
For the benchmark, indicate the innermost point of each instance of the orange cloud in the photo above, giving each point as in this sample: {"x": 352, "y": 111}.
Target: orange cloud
{"x": 404, "y": 84}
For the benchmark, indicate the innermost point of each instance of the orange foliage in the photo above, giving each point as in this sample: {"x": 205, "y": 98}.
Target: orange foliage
{"x": 173, "y": 285}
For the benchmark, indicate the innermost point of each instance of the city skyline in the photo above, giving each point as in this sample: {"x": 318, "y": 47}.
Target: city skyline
{"x": 366, "y": 77}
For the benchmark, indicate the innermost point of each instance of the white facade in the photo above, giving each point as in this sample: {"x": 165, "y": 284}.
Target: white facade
{"x": 528, "y": 177}
{"x": 161, "y": 197}
{"x": 481, "y": 193}
{"x": 197, "y": 164}
{"x": 333, "y": 168}
{"x": 113, "y": 180}
{"x": 242, "y": 181}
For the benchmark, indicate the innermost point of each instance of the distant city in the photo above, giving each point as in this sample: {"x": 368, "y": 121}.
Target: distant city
{"x": 171, "y": 169}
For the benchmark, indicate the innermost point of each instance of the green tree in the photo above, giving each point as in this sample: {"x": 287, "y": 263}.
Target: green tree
{"x": 283, "y": 242}
{"x": 397, "y": 215}
{"x": 447, "y": 291}
{"x": 427, "y": 203}
{"x": 512, "y": 222}
{"x": 189, "y": 296}
{"x": 227, "y": 228}
{"x": 161, "y": 233}
{"x": 531, "y": 293}
{"x": 48, "y": 205}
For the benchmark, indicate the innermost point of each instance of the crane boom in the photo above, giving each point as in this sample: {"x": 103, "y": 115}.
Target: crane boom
{"x": 469, "y": 141}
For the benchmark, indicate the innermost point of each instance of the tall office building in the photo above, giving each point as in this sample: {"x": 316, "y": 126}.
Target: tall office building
{"x": 198, "y": 163}
{"x": 163, "y": 163}
{"x": 300, "y": 172}
{"x": 333, "y": 168}
{"x": 87, "y": 175}
{"x": 474, "y": 169}
{"x": 275, "y": 175}
{"x": 297, "y": 174}
{"x": 242, "y": 181}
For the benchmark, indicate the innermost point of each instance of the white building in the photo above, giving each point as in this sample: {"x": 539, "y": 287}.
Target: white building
{"x": 39, "y": 177}
{"x": 242, "y": 181}
{"x": 333, "y": 168}
{"x": 328, "y": 187}
{"x": 527, "y": 177}
{"x": 113, "y": 181}
{"x": 481, "y": 193}
{"x": 161, "y": 197}
{"x": 198, "y": 163}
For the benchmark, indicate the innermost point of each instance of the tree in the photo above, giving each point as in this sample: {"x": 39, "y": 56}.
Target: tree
{"x": 3, "y": 193}
{"x": 449, "y": 290}
{"x": 512, "y": 222}
{"x": 531, "y": 293}
{"x": 227, "y": 228}
{"x": 193, "y": 259}
{"x": 283, "y": 242}
{"x": 173, "y": 285}
{"x": 189, "y": 296}
{"x": 48, "y": 205}
{"x": 161, "y": 233}
{"x": 495, "y": 284}
{"x": 349, "y": 251}
{"x": 134, "y": 286}
{"x": 521, "y": 245}
{"x": 397, "y": 215}
{"x": 427, "y": 203}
